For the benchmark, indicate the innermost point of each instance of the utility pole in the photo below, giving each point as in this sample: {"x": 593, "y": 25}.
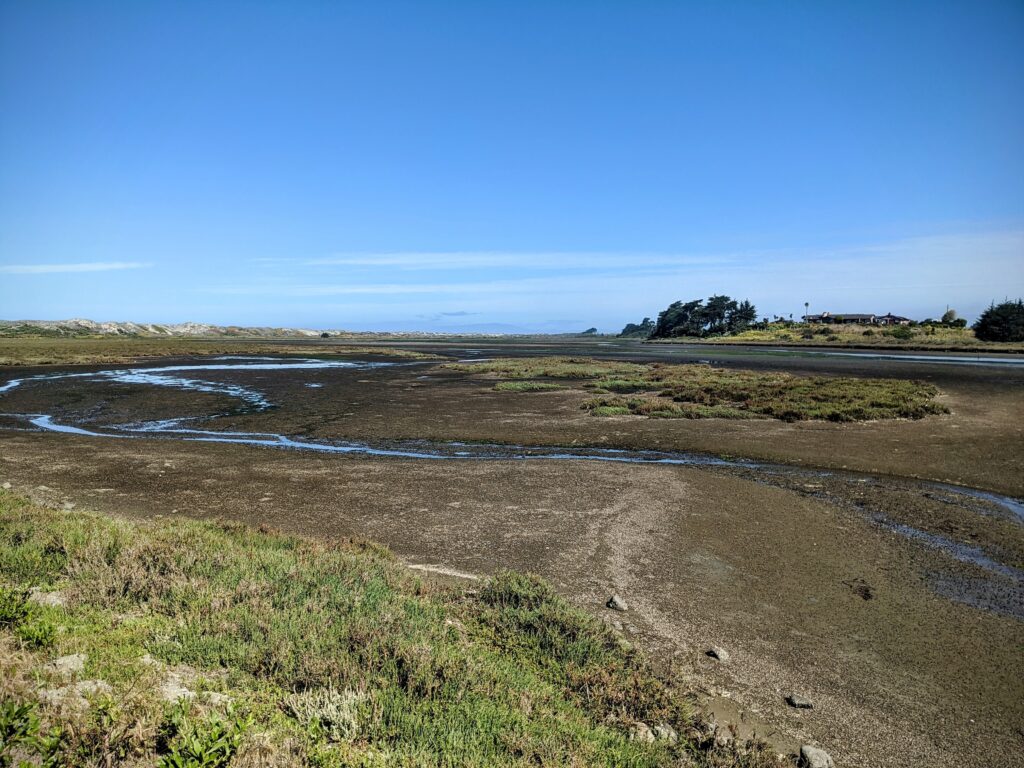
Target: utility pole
{"x": 807, "y": 306}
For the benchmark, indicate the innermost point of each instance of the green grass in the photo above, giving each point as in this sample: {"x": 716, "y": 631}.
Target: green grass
{"x": 330, "y": 654}
{"x": 93, "y": 350}
{"x": 704, "y": 392}
{"x": 898, "y": 337}
{"x": 526, "y": 386}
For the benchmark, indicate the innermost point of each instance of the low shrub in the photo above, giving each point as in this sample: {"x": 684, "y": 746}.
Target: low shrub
{"x": 901, "y": 332}
{"x": 526, "y": 386}
{"x": 201, "y": 743}
{"x": 334, "y": 713}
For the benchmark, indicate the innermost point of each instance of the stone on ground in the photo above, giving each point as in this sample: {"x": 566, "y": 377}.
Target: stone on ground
{"x": 616, "y": 603}
{"x": 798, "y": 701}
{"x": 717, "y": 652}
{"x": 642, "y": 733}
{"x": 813, "y": 757}
{"x": 67, "y": 666}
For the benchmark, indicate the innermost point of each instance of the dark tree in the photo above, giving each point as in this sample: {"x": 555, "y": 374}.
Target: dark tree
{"x": 717, "y": 313}
{"x": 720, "y": 315}
{"x": 680, "y": 319}
{"x": 641, "y": 330}
{"x": 742, "y": 316}
{"x": 1001, "y": 322}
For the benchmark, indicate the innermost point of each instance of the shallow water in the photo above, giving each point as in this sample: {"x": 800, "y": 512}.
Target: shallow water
{"x": 939, "y": 359}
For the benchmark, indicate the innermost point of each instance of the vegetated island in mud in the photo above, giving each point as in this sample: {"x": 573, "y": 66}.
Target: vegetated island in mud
{"x": 703, "y": 392}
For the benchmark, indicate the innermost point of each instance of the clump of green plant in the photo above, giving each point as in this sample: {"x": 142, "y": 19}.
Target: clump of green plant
{"x": 335, "y": 713}
{"x": 202, "y": 743}
{"x": 332, "y": 651}
{"x": 23, "y": 741}
{"x": 526, "y": 386}
{"x": 29, "y": 622}
{"x": 632, "y": 384}
{"x": 901, "y": 332}
{"x": 19, "y": 727}
{"x": 14, "y": 606}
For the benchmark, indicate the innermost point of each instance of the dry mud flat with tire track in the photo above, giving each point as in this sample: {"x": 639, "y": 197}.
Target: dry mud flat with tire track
{"x": 772, "y": 571}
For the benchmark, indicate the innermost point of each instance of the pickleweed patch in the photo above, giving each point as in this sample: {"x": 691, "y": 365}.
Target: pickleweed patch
{"x": 526, "y": 386}
{"x": 704, "y": 392}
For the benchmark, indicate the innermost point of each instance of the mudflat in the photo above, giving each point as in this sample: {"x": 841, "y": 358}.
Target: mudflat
{"x": 836, "y": 566}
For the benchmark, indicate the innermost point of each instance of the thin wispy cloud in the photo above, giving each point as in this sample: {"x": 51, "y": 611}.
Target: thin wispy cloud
{"x": 543, "y": 260}
{"x": 915, "y": 276}
{"x": 53, "y": 269}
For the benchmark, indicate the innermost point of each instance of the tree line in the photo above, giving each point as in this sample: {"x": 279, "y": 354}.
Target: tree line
{"x": 717, "y": 316}
{"x": 721, "y": 315}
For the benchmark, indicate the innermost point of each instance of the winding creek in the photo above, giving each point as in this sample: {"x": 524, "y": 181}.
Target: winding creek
{"x": 1002, "y": 591}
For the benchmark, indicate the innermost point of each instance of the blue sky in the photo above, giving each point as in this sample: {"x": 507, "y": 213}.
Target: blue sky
{"x": 506, "y": 166}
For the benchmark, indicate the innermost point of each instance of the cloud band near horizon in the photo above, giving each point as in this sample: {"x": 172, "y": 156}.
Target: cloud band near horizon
{"x": 52, "y": 269}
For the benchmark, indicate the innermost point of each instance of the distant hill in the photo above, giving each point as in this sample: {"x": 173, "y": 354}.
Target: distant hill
{"x": 80, "y": 327}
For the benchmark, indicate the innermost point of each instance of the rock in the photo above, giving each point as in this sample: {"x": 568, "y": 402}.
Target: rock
{"x": 799, "y": 702}
{"x": 49, "y": 599}
{"x": 640, "y": 732}
{"x": 861, "y": 588}
{"x": 717, "y": 652}
{"x": 7, "y": 486}
{"x": 666, "y": 732}
{"x": 68, "y": 505}
{"x": 173, "y": 690}
{"x": 73, "y": 695}
{"x": 68, "y": 666}
{"x": 217, "y": 699}
{"x": 723, "y": 738}
{"x": 812, "y": 757}
{"x": 616, "y": 603}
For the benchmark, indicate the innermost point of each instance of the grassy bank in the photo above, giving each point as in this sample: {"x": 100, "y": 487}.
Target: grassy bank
{"x": 196, "y": 644}
{"x": 84, "y": 351}
{"x": 700, "y": 391}
{"x": 909, "y": 338}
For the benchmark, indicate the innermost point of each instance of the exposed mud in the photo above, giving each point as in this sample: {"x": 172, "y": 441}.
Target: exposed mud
{"x": 770, "y": 563}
